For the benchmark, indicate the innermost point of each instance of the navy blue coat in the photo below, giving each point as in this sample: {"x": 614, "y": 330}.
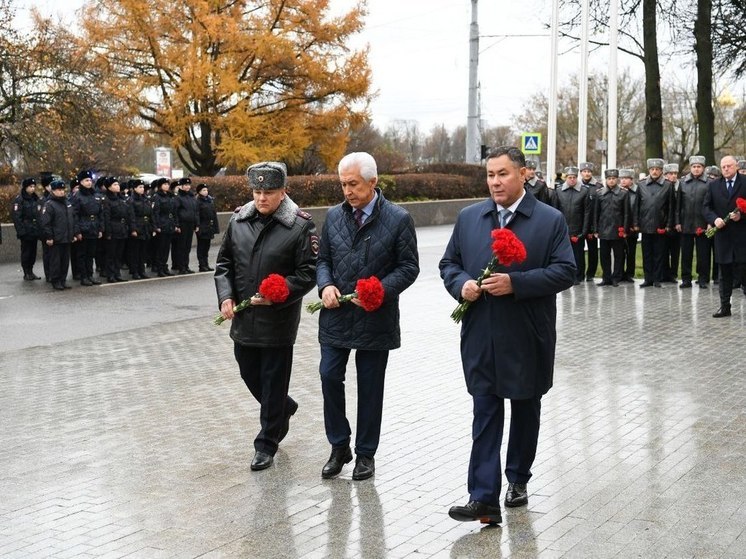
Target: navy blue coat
{"x": 730, "y": 241}
{"x": 508, "y": 342}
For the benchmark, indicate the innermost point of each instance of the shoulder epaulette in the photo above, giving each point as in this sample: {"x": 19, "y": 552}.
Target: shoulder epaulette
{"x": 238, "y": 209}
{"x": 304, "y": 215}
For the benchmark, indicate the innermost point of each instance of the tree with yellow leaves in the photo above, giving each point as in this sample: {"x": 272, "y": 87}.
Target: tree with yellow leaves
{"x": 233, "y": 81}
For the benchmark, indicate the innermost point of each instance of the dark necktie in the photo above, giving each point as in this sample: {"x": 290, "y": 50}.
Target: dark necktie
{"x": 504, "y": 217}
{"x": 730, "y": 187}
{"x": 358, "y": 213}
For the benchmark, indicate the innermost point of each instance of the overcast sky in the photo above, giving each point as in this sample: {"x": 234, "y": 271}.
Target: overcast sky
{"x": 419, "y": 53}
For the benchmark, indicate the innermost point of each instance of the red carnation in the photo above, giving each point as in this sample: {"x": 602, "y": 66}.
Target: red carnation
{"x": 370, "y": 293}
{"x": 573, "y": 239}
{"x": 507, "y": 248}
{"x": 274, "y": 288}
{"x": 621, "y": 231}
{"x": 741, "y": 205}
{"x": 699, "y": 231}
{"x": 661, "y": 231}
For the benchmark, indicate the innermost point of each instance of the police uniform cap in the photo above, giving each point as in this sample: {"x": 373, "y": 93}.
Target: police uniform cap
{"x": 267, "y": 175}
{"x": 655, "y": 163}
{"x": 587, "y": 166}
{"x": 697, "y": 160}
{"x": 626, "y": 173}
{"x": 200, "y": 187}
{"x": 185, "y": 180}
{"x": 57, "y": 184}
{"x": 671, "y": 168}
{"x": 84, "y": 175}
{"x": 28, "y": 182}
{"x": 611, "y": 173}
{"x": 742, "y": 164}
{"x": 571, "y": 171}
{"x": 134, "y": 183}
{"x": 714, "y": 170}
{"x": 108, "y": 181}
{"x": 74, "y": 182}
{"x": 530, "y": 164}
{"x": 46, "y": 180}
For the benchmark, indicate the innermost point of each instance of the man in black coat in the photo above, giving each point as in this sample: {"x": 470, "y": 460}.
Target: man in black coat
{"x": 627, "y": 182}
{"x": 730, "y": 239}
{"x": 59, "y": 230}
{"x": 88, "y": 205}
{"x": 690, "y": 222}
{"x": 575, "y": 204}
{"x": 612, "y": 221}
{"x": 655, "y": 218}
{"x": 188, "y": 219}
{"x": 538, "y": 187}
{"x": 207, "y": 226}
{"x": 269, "y": 235}
{"x": 27, "y": 221}
{"x": 364, "y": 236}
{"x": 117, "y": 228}
{"x": 587, "y": 180}
{"x": 673, "y": 237}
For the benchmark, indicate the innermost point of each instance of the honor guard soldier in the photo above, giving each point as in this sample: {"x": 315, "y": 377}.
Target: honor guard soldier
{"x": 673, "y": 237}
{"x": 627, "y": 180}
{"x": 589, "y": 182}
{"x": 46, "y": 180}
{"x": 691, "y": 224}
{"x": 612, "y": 221}
{"x": 188, "y": 218}
{"x": 88, "y": 205}
{"x": 27, "y": 221}
{"x": 142, "y": 231}
{"x": 538, "y": 187}
{"x": 573, "y": 201}
{"x": 165, "y": 221}
{"x": 59, "y": 230}
{"x": 208, "y": 226}
{"x": 116, "y": 229}
{"x": 656, "y": 210}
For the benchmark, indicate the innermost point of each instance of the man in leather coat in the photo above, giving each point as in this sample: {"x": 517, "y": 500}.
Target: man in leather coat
{"x": 690, "y": 222}
{"x": 656, "y": 209}
{"x": 269, "y": 235}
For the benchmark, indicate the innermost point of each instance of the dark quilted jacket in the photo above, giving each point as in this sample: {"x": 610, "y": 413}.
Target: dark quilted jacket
{"x": 385, "y": 247}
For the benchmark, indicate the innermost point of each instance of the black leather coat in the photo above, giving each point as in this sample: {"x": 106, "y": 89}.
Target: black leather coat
{"x": 655, "y": 205}
{"x": 252, "y": 248}
{"x": 27, "y": 215}
{"x": 575, "y": 205}
{"x": 612, "y": 212}
{"x": 689, "y": 204}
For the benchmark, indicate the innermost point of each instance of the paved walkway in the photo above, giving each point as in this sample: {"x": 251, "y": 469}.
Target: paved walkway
{"x": 137, "y": 444}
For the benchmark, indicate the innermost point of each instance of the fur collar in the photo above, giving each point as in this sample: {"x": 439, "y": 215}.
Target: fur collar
{"x": 285, "y": 213}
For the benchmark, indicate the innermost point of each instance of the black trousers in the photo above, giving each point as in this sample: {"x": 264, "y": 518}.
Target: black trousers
{"x": 28, "y": 253}
{"x": 702, "y": 245}
{"x": 45, "y": 261}
{"x": 608, "y": 248}
{"x": 630, "y": 249}
{"x": 653, "y": 256}
{"x": 162, "y": 247}
{"x": 86, "y": 254}
{"x": 74, "y": 260}
{"x": 203, "y": 250}
{"x": 579, "y": 253}
{"x": 59, "y": 262}
{"x": 114, "y": 255}
{"x": 266, "y": 373}
{"x": 183, "y": 246}
{"x": 592, "y": 244}
{"x": 136, "y": 250}
{"x": 487, "y": 434}
{"x": 673, "y": 250}
{"x": 729, "y": 272}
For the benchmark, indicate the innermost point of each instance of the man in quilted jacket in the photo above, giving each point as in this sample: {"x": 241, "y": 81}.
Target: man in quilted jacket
{"x": 364, "y": 236}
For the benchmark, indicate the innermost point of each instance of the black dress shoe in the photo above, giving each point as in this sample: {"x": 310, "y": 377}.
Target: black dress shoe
{"x": 721, "y": 312}
{"x": 58, "y": 286}
{"x": 120, "y": 279}
{"x": 604, "y": 282}
{"x": 338, "y": 458}
{"x": 286, "y": 426}
{"x": 516, "y": 495}
{"x": 645, "y": 284}
{"x": 657, "y": 284}
{"x": 136, "y": 276}
{"x": 365, "y": 467}
{"x": 188, "y": 271}
{"x": 474, "y": 510}
{"x": 86, "y": 282}
{"x": 261, "y": 461}
{"x": 161, "y": 274}
{"x": 203, "y": 269}
{"x": 26, "y": 277}
{"x": 703, "y": 285}
{"x": 144, "y": 276}
{"x": 33, "y": 276}
{"x": 614, "y": 284}
{"x": 685, "y": 285}
{"x": 94, "y": 281}
{"x": 209, "y": 269}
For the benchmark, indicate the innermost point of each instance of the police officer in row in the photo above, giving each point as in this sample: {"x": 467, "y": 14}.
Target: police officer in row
{"x": 691, "y": 224}
{"x": 573, "y": 200}
{"x": 88, "y": 206}
{"x": 166, "y": 223}
{"x": 656, "y": 210}
{"x": 187, "y": 216}
{"x": 589, "y": 181}
{"x": 142, "y": 231}
{"x": 207, "y": 226}
{"x": 627, "y": 182}
{"x": 59, "y": 230}
{"x": 116, "y": 229}
{"x": 673, "y": 237}
{"x": 612, "y": 218}
{"x": 27, "y": 221}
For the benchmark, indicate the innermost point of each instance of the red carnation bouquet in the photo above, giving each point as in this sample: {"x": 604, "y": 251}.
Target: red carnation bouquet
{"x": 273, "y": 288}
{"x": 507, "y": 249}
{"x": 661, "y": 230}
{"x": 573, "y": 239}
{"x": 699, "y": 231}
{"x": 369, "y": 291}
{"x": 621, "y": 232}
{"x": 740, "y": 208}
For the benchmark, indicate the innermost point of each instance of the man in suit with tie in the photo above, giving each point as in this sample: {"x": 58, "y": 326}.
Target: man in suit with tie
{"x": 730, "y": 239}
{"x": 508, "y": 333}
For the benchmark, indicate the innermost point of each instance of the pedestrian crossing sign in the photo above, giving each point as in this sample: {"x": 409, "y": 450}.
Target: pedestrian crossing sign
{"x": 531, "y": 143}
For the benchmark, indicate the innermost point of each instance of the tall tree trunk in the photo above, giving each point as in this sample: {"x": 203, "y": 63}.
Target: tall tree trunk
{"x": 653, "y": 105}
{"x": 703, "y": 50}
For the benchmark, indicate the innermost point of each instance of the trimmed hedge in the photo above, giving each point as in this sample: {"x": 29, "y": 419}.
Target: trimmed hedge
{"x": 324, "y": 190}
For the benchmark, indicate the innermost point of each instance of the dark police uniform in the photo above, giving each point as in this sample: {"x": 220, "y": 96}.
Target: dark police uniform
{"x": 188, "y": 217}
{"x": 116, "y": 230}
{"x": 656, "y": 210}
{"x": 27, "y": 221}
{"x": 59, "y": 225}
{"x": 166, "y": 222}
{"x": 88, "y": 205}
{"x": 141, "y": 223}
{"x": 208, "y": 228}
{"x": 612, "y": 220}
